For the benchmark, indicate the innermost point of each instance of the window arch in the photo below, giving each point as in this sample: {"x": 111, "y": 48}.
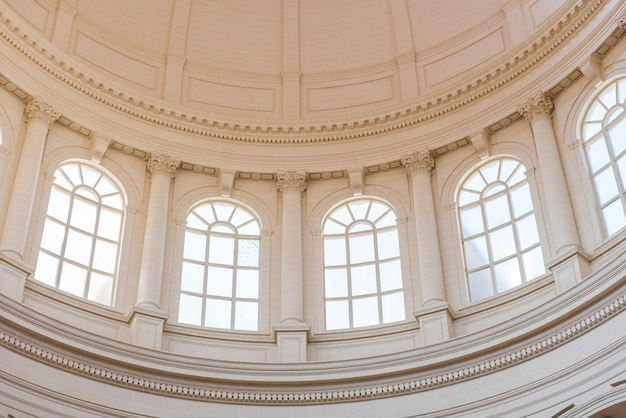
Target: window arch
{"x": 220, "y": 269}
{"x": 81, "y": 238}
{"x": 362, "y": 272}
{"x": 604, "y": 138}
{"x": 499, "y": 232}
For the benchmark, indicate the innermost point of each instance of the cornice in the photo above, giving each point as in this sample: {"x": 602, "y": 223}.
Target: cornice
{"x": 594, "y": 301}
{"x": 409, "y": 114}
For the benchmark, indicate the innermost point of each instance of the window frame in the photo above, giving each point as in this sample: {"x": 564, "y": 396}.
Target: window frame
{"x": 376, "y": 262}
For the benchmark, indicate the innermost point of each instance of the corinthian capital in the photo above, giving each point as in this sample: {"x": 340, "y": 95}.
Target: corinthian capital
{"x": 40, "y": 112}
{"x": 162, "y": 165}
{"x": 291, "y": 181}
{"x": 418, "y": 162}
{"x": 539, "y": 106}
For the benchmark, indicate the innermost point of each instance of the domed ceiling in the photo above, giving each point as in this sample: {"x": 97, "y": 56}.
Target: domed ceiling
{"x": 291, "y": 60}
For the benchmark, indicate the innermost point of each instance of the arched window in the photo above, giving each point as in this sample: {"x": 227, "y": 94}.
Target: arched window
{"x": 498, "y": 227}
{"x": 220, "y": 272}
{"x": 362, "y": 274}
{"x": 604, "y": 137}
{"x": 80, "y": 245}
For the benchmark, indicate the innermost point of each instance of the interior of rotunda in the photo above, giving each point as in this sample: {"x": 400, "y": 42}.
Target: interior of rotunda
{"x": 312, "y": 208}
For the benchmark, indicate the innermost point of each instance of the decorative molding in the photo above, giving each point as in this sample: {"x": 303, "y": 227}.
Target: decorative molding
{"x": 38, "y": 111}
{"x": 404, "y": 386}
{"x": 163, "y": 165}
{"x": 539, "y": 47}
{"x": 621, "y": 22}
{"x": 419, "y": 162}
{"x": 290, "y": 181}
{"x": 537, "y": 107}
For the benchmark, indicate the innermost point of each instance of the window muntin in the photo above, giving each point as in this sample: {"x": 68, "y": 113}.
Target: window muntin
{"x": 501, "y": 244}
{"x": 221, "y": 268}
{"x": 604, "y": 138}
{"x": 362, "y": 274}
{"x": 80, "y": 244}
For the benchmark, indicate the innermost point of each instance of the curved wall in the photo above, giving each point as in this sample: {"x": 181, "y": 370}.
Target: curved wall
{"x": 552, "y": 347}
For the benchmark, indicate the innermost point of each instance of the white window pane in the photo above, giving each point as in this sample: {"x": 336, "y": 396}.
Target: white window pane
{"x": 100, "y": 288}
{"x": 363, "y": 280}
{"x": 334, "y": 251}
{"x": 61, "y": 181}
{"x": 193, "y": 221}
{"x": 393, "y": 307}
{"x": 365, "y": 312}
{"x": 521, "y": 200}
{"x": 337, "y": 314}
{"x": 494, "y": 189}
{"x": 608, "y": 97}
{"x": 223, "y": 228}
{"x": 84, "y": 215}
{"x": 480, "y": 284}
{"x": 467, "y": 196}
{"x": 390, "y": 275}
{"x": 332, "y": 227}
{"x": 223, "y": 211}
{"x": 472, "y": 221}
{"x": 47, "y": 269}
{"x": 497, "y": 211}
{"x": 221, "y": 250}
{"x": 621, "y": 165}
{"x": 247, "y": 284}
{"x": 220, "y": 281}
{"x": 217, "y": 313}
{"x": 248, "y": 252}
{"x": 361, "y": 248}
{"x": 527, "y": 232}
{"x": 105, "y": 256}
{"x": 73, "y": 173}
{"x": 190, "y": 310}
{"x": 617, "y": 134}
{"x": 506, "y": 169}
{"x": 192, "y": 278}
{"x": 90, "y": 176}
{"x": 250, "y": 228}
{"x": 342, "y": 215}
{"x": 336, "y": 283}
{"x": 59, "y": 205}
{"x": 195, "y": 246}
{"x": 502, "y": 243}
{"x": 596, "y": 111}
{"x": 598, "y": 154}
{"x": 78, "y": 247}
{"x": 360, "y": 227}
{"x": 490, "y": 171}
{"x": 476, "y": 254}
{"x": 240, "y": 217}
{"x": 387, "y": 220}
{"x": 246, "y": 316}
{"x": 517, "y": 177}
{"x": 388, "y": 244}
{"x": 73, "y": 279}
{"x": 105, "y": 187}
{"x": 605, "y": 185}
{"x": 533, "y": 263}
{"x": 590, "y": 129}
{"x": 377, "y": 209}
{"x": 205, "y": 212}
{"x": 113, "y": 201}
{"x": 359, "y": 208}
{"x": 109, "y": 224}
{"x": 507, "y": 275}
{"x": 475, "y": 182}
{"x": 53, "y": 236}
{"x": 614, "y": 218}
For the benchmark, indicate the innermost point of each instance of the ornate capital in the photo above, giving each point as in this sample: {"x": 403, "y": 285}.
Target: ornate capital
{"x": 291, "y": 181}
{"x": 621, "y": 22}
{"x": 418, "y": 162}
{"x": 537, "y": 107}
{"x": 162, "y": 165}
{"x": 40, "y": 112}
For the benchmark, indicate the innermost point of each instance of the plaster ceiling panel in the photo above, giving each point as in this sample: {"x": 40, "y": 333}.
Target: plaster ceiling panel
{"x": 138, "y": 24}
{"x": 244, "y": 36}
{"x": 32, "y": 12}
{"x": 435, "y": 22}
{"x": 345, "y": 35}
